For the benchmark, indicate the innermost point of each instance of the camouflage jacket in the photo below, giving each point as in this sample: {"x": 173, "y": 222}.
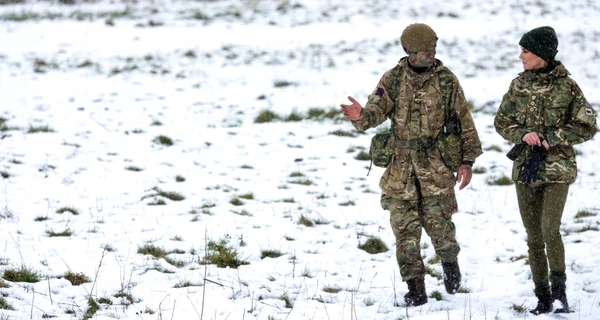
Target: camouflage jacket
{"x": 552, "y": 105}
{"x": 415, "y": 101}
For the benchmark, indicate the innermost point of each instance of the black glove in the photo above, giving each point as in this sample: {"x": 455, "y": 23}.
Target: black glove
{"x": 516, "y": 151}
{"x": 528, "y": 170}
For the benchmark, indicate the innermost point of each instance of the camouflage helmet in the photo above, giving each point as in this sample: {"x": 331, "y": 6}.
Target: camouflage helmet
{"x": 418, "y": 37}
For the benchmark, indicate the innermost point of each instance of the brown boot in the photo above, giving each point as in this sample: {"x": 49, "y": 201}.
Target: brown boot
{"x": 559, "y": 292}
{"x": 416, "y": 295}
{"x": 544, "y": 300}
{"x": 452, "y": 276}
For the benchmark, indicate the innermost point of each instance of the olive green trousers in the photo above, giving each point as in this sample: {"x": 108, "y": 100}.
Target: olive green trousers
{"x": 541, "y": 210}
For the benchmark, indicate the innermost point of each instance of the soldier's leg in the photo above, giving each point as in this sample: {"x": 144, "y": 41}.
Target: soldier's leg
{"x": 555, "y": 196}
{"x": 437, "y": 222}
{"x": 530, "y": 206}
{"x": 406, "y": 225}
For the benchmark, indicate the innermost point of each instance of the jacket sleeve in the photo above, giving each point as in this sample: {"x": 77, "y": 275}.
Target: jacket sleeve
{"x": 471, "y": 143}
{"x": 580, "y": 124}
{"x": 506, "y": 122}
{"x": 378, "y": 107}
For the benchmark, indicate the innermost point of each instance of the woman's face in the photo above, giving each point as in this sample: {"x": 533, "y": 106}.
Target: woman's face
{"x": 531, "y": 61}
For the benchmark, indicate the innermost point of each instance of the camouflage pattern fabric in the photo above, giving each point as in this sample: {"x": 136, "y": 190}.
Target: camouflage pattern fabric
{"x": 408, "y": 217}
{"x": 553, "y": 105}
{"x": 419, "y": 116}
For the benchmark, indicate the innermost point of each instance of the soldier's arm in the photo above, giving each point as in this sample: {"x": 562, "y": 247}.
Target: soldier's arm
{"x": 580, "y": 125}
{"x": 472, "y": 144}
{"x": 505, "y": 121}
{"x": 378, "y": 107}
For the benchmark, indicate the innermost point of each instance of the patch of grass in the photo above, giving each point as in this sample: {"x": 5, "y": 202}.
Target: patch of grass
{"x": 134, "y": 168}
{"x": 67, "y": 209}
{"x": 4, "y": 174}
{"x": 244, "y": 213}
{"x": 294, "y": 116}
{"x": 185, "y": 284}
{"x": 163, "y": 140}
{"x": 342, "y": 133}
{"x": 152, "y": 250}
{"x": 519, "y": 308}
{"x": 363, "y": 156}
{"x": 105, "y": 300}
{"x": 39, "y": 129}
{"x": 5, "y": 305}
{"x": 433, "y": 273}
{"x": 499, "y": 181}
{"x": 126, "y": 298}
{"x": 179, "y": 178}
{"x": 282, "y": 83}
{"x": 3, "y": 284}
{"x": 373, "y": 245}
{"x": 171, "y": 195}
{"x": 270, "y": 253}
{"x": 332, "y": 289}
{"x": 305, "y": 221}
{"x": 236, "y": 202}
{"x": 304, "y": 182}
{"x": 479, "y": 170}
{"x": 76, "y": 278}
{"x": 584, "y": 214}
{"x": 22, "y": 274}
{"x": 247, "y": 196}
{"x": 223, "y": 255}
{"x": 288, "y": 301}
{"x": 436, "y": 295}
{"x": 347, "y": 203}
{"x": 266, "y": 116}
{"x": 65, "y": 233}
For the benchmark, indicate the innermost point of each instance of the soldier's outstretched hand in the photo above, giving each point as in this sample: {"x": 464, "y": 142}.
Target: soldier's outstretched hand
{"x": 465, "y": 173}
{"x": 351, "y": 111}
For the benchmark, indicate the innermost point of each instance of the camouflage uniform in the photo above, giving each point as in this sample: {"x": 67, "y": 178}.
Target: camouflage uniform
{"x": 552, "y": 105}
{"x": 417, "y": 188}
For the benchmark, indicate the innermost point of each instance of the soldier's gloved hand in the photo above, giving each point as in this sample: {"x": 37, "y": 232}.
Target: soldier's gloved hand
{"x": 529, "y": 168}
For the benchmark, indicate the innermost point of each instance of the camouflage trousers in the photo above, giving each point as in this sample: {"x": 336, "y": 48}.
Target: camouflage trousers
{"x": 409, "y": 217}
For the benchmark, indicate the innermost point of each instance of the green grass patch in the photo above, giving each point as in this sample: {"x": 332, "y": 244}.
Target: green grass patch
{"x": 65, "y": 233}
{"x": 305, "y": 221}
{"x": 373, "y": 245}
{"x": 270, "y": 253}
{"x": 67, "y": 209}
{"x": 39, "y": 129}
{"x": 76, "y": 278}
{"x": 266, "y": 116}
{"x": 163, "y": 140}
{"x": 150, "y": 249}
{"x": 21, "y": 274}
{"x": 223, "y": 255}
{"x": 499, "y": 181}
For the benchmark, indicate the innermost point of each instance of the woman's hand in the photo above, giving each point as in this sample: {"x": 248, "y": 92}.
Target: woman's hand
{"x": 532, "y": 138}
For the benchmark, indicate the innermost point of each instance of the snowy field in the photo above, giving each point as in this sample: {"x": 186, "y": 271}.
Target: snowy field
{"x": 188, "y": 160}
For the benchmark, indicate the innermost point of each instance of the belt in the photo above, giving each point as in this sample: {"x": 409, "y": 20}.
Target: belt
{"x": 421, "y": 145}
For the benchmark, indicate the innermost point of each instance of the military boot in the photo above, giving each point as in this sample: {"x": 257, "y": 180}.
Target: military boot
{"x": 416, "y": 295}
{"x": 452, "y": 276}
{"x": 559, "y": 293}
{"x": 544, "y": 300}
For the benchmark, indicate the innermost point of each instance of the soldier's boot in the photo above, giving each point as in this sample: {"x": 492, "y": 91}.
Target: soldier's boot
{"x": 416, "y": 295}
{"x": 544, "y": 300}
{"x": 559, "y": 292}
{"x": 452, "y": 276}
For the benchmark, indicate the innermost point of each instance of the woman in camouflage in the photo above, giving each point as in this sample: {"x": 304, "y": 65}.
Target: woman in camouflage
{"x": 546, "y": 113}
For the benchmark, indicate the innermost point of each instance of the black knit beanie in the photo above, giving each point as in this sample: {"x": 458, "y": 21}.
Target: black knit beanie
{"x": 542, "y": 42}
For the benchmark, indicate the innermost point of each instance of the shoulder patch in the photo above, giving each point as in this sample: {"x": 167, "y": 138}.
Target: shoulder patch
{"x": 588, "y": 109}
{"x": 379, "y": 91}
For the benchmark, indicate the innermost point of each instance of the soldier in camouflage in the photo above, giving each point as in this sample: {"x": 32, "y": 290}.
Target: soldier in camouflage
{"x": 417, "y": 187}
{"x": 545, "y": 109}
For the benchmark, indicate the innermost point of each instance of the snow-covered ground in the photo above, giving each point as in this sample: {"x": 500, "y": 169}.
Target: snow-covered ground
{"x": 92, "y": 94}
